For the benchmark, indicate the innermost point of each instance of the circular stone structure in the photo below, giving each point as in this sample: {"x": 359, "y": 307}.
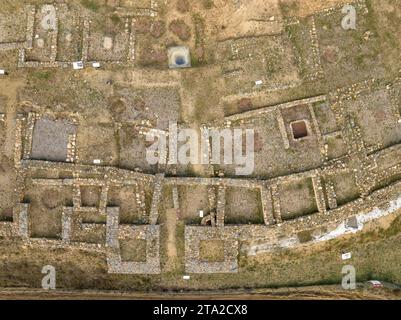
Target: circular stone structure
{"x": 331, "y": 54}
{"x": 179, "y": 57}
{"x": 108, "y": 43}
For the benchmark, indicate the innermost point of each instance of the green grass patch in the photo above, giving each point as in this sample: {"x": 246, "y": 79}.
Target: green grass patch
{"x": 41, "y": 75}
{"x": 90, "y": 4}
{"x": 208, "y": 4}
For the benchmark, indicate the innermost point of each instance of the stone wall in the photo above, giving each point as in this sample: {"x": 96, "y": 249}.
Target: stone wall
{"x": 193, "y": 262}
{"x": 114, "y": 232}
{"x": 124, "y": 13}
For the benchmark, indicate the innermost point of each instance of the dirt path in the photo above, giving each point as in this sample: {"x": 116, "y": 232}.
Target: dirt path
{"x": 171, "y": 221}
{"x": 9, "y": 88}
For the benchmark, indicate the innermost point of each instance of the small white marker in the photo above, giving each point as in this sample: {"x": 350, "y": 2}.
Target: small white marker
{"x": 96, "y": 64}
{"x": 77, "y": 65}
{"x": 258, "y": 82}
{"x": 97, "y": 161}
{"x": 201, "y": 213}
{"x": 346, "y": 256}
{"x": 186, "y": 277}
{"x": 2, "y": 72}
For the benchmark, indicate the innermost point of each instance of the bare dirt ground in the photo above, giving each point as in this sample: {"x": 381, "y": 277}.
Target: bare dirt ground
{"x": 306, "y": 293}
{"x": 303, "y": 8}
{"x": 9, "y": 89}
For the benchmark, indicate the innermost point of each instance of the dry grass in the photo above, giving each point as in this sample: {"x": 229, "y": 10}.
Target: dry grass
{"x": 133, "y": 250}
{"x": 211, "y": 250}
